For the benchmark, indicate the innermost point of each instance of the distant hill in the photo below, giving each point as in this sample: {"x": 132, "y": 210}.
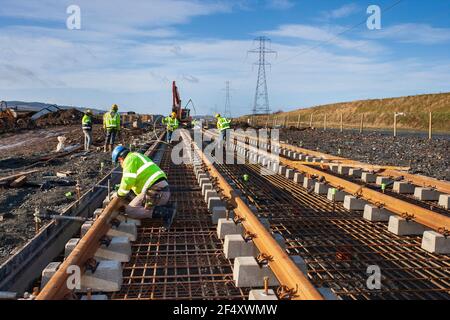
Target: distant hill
{"x": 36, "y": 106}
{"x": 378, "y": 113}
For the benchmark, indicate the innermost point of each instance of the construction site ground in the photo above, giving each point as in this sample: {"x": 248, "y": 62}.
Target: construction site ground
{"x": 21, "y": 152}
{"x": 426, "y": 157}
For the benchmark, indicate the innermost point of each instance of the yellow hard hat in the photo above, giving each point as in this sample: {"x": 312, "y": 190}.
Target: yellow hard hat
{"x": 174, "y": 114}
{"x": 115, "y": 107}
{"x": 88, "y": 111}
{"x": 218, "y": 115}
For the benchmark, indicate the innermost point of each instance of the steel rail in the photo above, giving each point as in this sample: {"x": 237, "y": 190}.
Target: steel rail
{"x": 400, "y": 207}
{"x": 392, "y": 171}
{"x": 282, "y": 266}
{"x": 56, "y": 288}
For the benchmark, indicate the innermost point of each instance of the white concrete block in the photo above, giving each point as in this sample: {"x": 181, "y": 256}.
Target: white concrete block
{"x": 298, "y": 177}
{"x": 375, "y": 214}
{"x": 206, "y": 187}
{"x": 426, "y": 194}
{"x": 403, "y": 187}
{"x": 125, "y": 229}
{"x": 119, "y": 249}
{"x": 106, "y": 278}
{"x": 368, "y": 177}
{"x": 338, "y": 196}
{"x": 219, "y": 213}
{"x": 290, "y": 173}
{"x": 353, "y": 203}
{"x": 225, "y": 227}
{"x": 344, "y": 170}
{"x": 403, "y": 227}
{"x": 355, "y": 173}
{"x": 444, "y": 201}
{"x": 247, "y": 273}
{"x": 235, "y": 246}
{"x": 215, "y": 202}
{"x": 48, "y": 272}
{"x": 260, "y": 295}
{"x": 321, "y": 188}
{"x": 383, "y": 180}
{"x": 282, "y": 170}
{"x": 435, "y": 242}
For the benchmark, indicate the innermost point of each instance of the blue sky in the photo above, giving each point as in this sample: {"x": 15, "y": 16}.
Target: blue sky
{"x": 128, "y": 52}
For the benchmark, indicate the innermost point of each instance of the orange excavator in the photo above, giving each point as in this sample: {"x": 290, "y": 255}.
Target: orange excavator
{"x": 183, "y": 114}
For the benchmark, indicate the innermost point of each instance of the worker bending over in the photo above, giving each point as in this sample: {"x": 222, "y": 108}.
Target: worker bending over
{"x": 142, "y": 176}
{"x": 86, "y": 125}
{"x": 172, "y": 124}
{"x": 223, "y": 125}
{"x": 111, "y": 123}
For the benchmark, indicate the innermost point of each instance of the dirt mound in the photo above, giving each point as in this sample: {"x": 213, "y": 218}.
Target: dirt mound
{"x": 60, "y": 117}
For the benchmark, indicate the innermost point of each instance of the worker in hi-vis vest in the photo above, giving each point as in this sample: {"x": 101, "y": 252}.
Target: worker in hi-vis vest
{"x": 111, "y": 123}
{"x": 172, "y": 124}
{"x": 86, "y": 125}
{"x": 148, "y": 182}
{"x": 223, "y": 125}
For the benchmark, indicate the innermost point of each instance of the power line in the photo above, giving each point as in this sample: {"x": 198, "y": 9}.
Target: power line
{"x": 340, "y": 33}
{"x": 261, "y": 102}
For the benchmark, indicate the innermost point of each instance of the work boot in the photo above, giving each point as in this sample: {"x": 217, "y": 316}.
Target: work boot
{"x": 167, "y": 214}
{"x": 104, "y": 149}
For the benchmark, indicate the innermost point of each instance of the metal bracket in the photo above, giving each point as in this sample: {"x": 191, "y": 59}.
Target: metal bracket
{"x": 444, "y": 232}
{"x": 248, "y": 236}
{"x": 264, "y": 259}
{"x": 105, "y": 241}
{"x": 115, "y": 223}
{"x": 91, "y": 265}
{"x": 285, "y": 293}
{"x": 407, "y": 216}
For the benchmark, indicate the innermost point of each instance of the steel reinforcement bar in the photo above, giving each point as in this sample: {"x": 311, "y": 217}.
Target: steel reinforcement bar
{"x": 56, "y": 288}
{"x": 396, "y": 172}
{"x": 290, "y": 277}
{"x": 400, "y": 207}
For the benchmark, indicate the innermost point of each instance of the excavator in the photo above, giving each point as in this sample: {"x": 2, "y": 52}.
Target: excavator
{"x": 183, "y": 114}
{"x": 12, "y": 118}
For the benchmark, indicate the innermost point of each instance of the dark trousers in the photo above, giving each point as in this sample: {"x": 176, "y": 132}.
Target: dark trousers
{"x": 111, "y": 135}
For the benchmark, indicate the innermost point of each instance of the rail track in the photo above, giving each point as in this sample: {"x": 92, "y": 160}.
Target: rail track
{"x": 310, "y": 247}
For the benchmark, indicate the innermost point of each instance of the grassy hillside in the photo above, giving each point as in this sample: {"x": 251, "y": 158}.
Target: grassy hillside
{"x": 378, "y": 113}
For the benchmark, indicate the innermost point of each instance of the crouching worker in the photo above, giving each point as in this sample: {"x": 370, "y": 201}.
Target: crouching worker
{"x": 142, "y": 176}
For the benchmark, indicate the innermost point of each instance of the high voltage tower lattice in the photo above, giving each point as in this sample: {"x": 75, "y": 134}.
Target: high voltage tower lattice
{"x": 227, "y": 112}
{"x": 261, "y": 103}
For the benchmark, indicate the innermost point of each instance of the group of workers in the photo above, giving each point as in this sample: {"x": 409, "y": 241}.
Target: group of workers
{"x": 140, "y": 174}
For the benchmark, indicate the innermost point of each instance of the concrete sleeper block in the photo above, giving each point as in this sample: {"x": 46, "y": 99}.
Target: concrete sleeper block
{"x": 375, "y": 214}
{"x": 353, "y": 203}
{"x": 125, "y": 229}
{"x": 435, "y": 242}
{"x": 260, "y": 295}
{"x": 106, "y": 278}
{"x": 235, "y": 246}
{"x": 404, "y": 227}
{"x": 247, "y": 273}
{"x": 226, "y": 227}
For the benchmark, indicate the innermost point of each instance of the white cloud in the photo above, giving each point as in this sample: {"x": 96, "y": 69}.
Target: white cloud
{"x": 413, "y": 33}
{"x": 342, "y": 12}
{"x": 326, "y": 35}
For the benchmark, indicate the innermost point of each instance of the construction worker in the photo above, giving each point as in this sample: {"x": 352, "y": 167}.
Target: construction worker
{"x": 86, "y": 125}
{"x": 142, "y": 176}
{"x": 172, "y": 124}
{"x": 111, "y": 123}
{"x": 223, "y": 125}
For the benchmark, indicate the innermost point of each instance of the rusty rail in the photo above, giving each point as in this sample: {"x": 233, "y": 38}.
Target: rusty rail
{"x": 289, "y": 276}
{"x": 56, "y": 288}
{"x": 424, "y": 216}
{"x": 392, "y": 171}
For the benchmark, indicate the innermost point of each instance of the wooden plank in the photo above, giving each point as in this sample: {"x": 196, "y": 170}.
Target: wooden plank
{"x": 18, "y": 175}
{"x": 18, "y": 182}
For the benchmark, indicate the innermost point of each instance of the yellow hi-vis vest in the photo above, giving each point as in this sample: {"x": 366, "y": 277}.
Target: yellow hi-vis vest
{"x": 223, "y": 123}
{"x": 111, "y": 120}
{"x": 139, "y": 174}
{"x": 86, "y": 122}
{"x": 172, "y": 124}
